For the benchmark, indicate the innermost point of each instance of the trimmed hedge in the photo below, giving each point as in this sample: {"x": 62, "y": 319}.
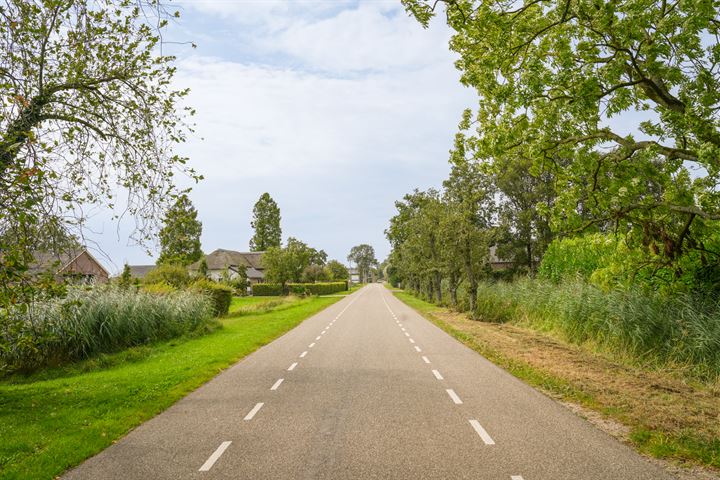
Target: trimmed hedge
{"x": 326, "y": 288}
{"x": 221, "y": 295}
{"x": 267, "y": 290}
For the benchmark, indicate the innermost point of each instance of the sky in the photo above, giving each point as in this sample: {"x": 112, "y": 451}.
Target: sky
{"x": 336, "y": 108}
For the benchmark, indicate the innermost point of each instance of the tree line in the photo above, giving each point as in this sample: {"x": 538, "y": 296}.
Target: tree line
{"x": 595, "y": 118}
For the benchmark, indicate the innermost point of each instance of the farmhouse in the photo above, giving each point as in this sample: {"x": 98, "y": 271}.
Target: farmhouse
{"x": 221, "y": 261}
{"x": 139, "y": 271}
{"x": 76, "y": 265}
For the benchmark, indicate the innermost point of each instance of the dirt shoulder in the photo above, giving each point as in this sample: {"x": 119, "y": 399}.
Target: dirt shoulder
{"x": 658, "y": 414}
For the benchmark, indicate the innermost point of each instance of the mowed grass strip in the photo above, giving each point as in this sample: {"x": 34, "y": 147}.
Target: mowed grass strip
{"x": 658, "y": 413}
{"x": 55, "y": 419}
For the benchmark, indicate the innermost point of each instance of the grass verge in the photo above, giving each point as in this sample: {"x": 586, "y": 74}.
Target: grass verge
{"x": 658, "y": 413}
{"x": 53, "y": 420}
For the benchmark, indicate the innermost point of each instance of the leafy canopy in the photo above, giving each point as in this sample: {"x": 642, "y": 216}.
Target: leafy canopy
{"x": 617, "y": 101}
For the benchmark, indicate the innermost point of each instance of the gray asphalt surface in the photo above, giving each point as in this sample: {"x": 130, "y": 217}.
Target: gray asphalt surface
{"x": 365, "y": 403}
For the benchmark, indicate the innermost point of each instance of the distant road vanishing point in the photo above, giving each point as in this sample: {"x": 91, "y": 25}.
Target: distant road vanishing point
{"x": 367, "y": 389}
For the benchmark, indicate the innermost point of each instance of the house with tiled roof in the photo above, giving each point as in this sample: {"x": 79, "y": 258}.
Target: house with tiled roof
{"x": 232, "y": 262}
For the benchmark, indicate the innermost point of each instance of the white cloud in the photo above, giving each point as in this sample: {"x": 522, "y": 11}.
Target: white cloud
{"x": 346, "y": 111}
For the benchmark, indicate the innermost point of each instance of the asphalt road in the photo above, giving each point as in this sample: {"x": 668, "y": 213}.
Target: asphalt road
{"x": 367, "y": 389}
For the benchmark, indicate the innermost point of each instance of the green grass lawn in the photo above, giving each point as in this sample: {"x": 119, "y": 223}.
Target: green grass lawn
{"x": 54, "y": 419}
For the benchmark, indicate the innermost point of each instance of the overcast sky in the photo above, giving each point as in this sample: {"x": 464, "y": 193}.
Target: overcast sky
{"x": 336, "y": 108}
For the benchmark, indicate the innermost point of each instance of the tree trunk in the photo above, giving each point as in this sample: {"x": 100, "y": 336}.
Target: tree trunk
{"x": 438, "y": 287}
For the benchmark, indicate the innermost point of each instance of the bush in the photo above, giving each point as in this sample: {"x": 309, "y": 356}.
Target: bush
{"x": 327, "y": 288}
{"x": 174, "y": 275}
{"x": 101, "y": 320}
{"x": 161, "y": 288}
{"x": 577, "y": 256}
{"x": 272, "y": 289}
{"x": 267, "y": 290}
{"x": 221, "y": 295}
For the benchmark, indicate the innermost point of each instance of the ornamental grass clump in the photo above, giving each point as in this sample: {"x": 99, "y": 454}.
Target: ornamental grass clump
{"x": 101, "y": 320}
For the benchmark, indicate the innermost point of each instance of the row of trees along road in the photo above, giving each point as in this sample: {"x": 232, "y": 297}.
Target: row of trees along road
{"x": 88, "y": 106}
{"x": 595, "y": 117}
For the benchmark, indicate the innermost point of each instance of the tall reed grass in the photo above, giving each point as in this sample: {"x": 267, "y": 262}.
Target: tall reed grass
{"x": 89, "y": 322}
{"x": 678, "y": 329}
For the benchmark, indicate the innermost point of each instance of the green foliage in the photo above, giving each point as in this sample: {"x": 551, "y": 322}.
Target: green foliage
{"x": 650, "y": 327}
{"x": 336, "y": 271}
{"x": 267, "y": 289}
{"x": 203, "y": 268}
{"x": 125, "y": 279}
{"x": 283, "y": 265}
{"x": 159, "y": 288}
{"x": 363, "y": 256}
{"x": 175, "y": 275}
{"x": 180, "y": 235}
{"x": 314, "y": 273}
{"x": 568, "y": 258}
{"x": 221, "y": 295}
{"x": 99, "y": 320}
{"x": 327, "y": 288}
{"x": 554, "y": 77}
{"x": 320, "y": 288}
{"x": 88, "y": 107}
{"x": 266, "y": 223}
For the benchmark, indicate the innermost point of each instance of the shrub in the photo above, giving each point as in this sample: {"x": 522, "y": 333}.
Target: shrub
{"x": 267, "y": 289}
{"x": 577, "y": 256}
{"x": 161, "y": 288}
{"x": 102, "y": 320}
{"x": 326, "y": 288}
{"x": 174, "y": 275}
{"x": 221, "y": 295}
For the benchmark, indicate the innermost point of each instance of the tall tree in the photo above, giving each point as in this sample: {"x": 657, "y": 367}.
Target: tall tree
{"x": 283, "y": 265}
{"x": 336, "y": 270}
{"x": 88, "y": 106}
{"x": 554, "y": 75}
{"x": 180, "y": 235}
{"x": 363, "y": 256}
{"x": 266, "y": 222}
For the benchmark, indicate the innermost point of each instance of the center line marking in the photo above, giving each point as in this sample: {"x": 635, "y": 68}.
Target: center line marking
{"x": 317, "y": 338}
{"x": 214, "y": 457}
{"x": 417, "y": 348}
{"x": 454, "y": 396}
{"x": 425, "y": 359}
{"x": 411, "y": 340}
{"x": 277, "y": 384}
{"x": 292, "y": 367}
{"x": 303, "y": 354}
{"x": 516, "y": 477}
{"x": 252, "y": 413}
{"x": 407, "y": 334}
{"x": 402, "y": 328}
{"x": 311, "y": 345}
{"x": 484, "y": 435}
{"x": 437, "y": 375}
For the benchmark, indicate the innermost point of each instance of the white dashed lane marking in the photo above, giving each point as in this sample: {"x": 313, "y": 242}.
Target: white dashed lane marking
{"x": 252, "y": 412}
{"x": 303, "y": 354}
{"x": 214, "y": 457}
{"x": 407, "y": 334}
{"x": 292, "y": 367}
{"x": 417, "y": 348}
{"x": 277, "y": 384}
{"x": 311, "y": 345}
{"x": 454, "y": 396}
{"x": 425, "y": 359}
{"x": 516, "y": 477}
{"x": 411, "y": 340}
{"x": 437, "y": 375}
{"x": 484, "y": 435}
{"x": 317, "y": 338}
